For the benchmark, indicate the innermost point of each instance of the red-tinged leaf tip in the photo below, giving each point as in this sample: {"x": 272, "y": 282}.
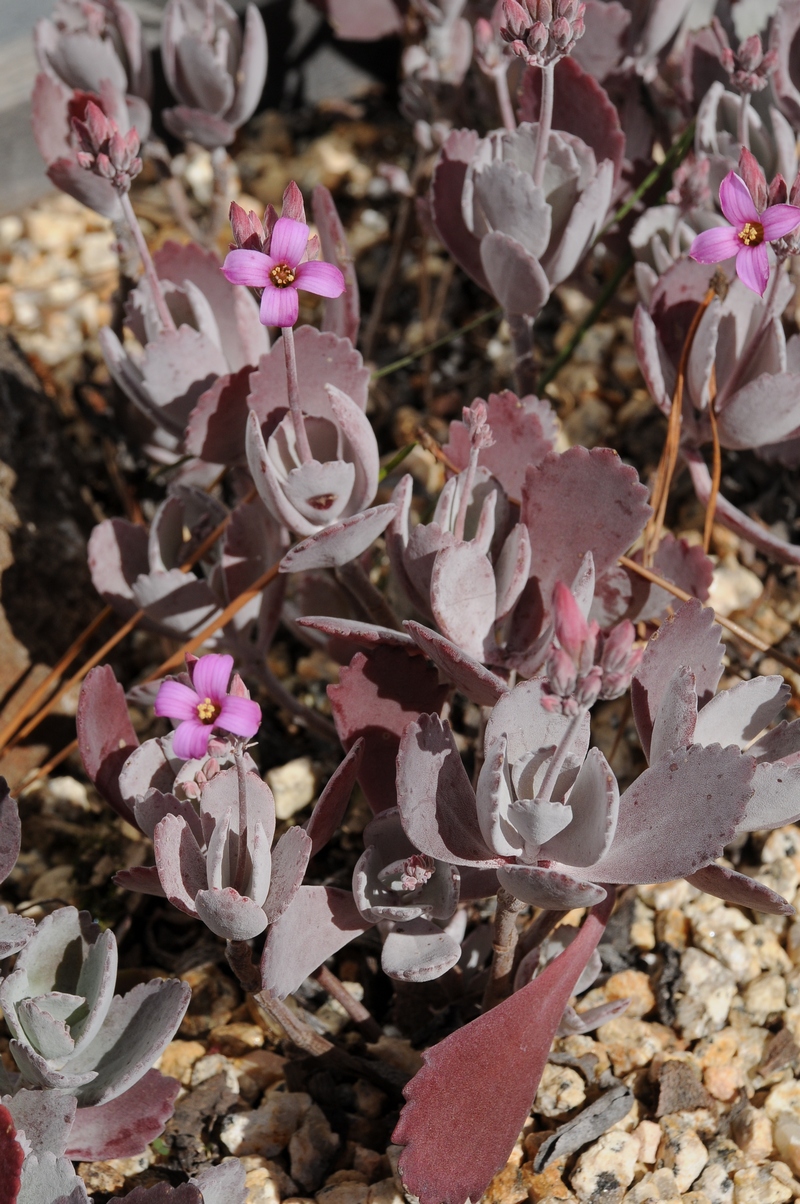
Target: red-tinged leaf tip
{"x": 467, "y": 1105}
{"x": 11, "y": 1158}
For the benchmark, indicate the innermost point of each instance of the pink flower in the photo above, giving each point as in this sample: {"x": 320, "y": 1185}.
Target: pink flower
{"x": 206, "y": 705}
{"x": 748, "y": 234}
{"x": 282, "y": 272}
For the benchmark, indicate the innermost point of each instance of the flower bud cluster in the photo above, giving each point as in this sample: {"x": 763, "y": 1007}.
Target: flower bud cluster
{"x": 476, "y": 420}
{"x": 749, "y": 67}
{"x": 104, "y": 150}
{"x": 585, "y": 665}
{"x": 491, "y": 49}
{"x": 543, "y": 31}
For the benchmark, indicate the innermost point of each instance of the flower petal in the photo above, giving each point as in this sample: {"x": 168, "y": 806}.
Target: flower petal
{"x": 713, "y": 246}
{"x": 241, "y": 716}
{"x": 191, "y": 739}
{"x": 752, "y": 267}
{"x": 289, "y": 241}
{"x": 736, "y": 202}
{"x": 324, "y": 279}
{"x": 247, "y": 267}
{"x": 211, "y": 675}
{"x": 176, "y": 701}
{"x": 279, "y": 306}
{"x": 779, "y": 220}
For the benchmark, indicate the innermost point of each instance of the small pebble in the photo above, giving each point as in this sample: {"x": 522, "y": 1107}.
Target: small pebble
{"x": 268, "y": 1129}
{"x": 311, "y": 1149}
{"x": 716, "y": 1183}
{"x": 765, "y": 997}
{"x": 178, "y": 1059}
{"x": 631, "y": 1044}
{"x": 751, "y": 1129}
{"x": 561, "y": 1089}
{"x": 293, "y": 785}
{"x": 649, "y": 1137}
{"x": 606, "y": 1169}
{"x": 681, "y": 1150}
{"x": 385, "y": 1191}
{"x": 707, "y": 990}
{"x": 212, "y": 1064}
{"x": 761, "y": 1185}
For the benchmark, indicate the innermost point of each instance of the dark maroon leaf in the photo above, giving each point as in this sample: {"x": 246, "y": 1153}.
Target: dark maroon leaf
{"x": 377, "y": 696}
{"x": 125, "y": 1126}
{"x": 10, "y": 831}
{"x": 11, "y": 1158}
{"x": 105, "y": 735}
{"x": 476, "y": 1088}
{"x": 475, "y": 682}
{"x": 332, "y": 803}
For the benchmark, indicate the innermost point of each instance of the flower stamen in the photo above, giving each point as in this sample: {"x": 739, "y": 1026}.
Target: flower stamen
{"x": 282, "y": 275}
{"x": 207, "y": 710}
{"x": 751, "y": 234}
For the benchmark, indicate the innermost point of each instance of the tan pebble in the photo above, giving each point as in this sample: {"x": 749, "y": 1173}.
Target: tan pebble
{"x": 696, "y": 1197}
{"x": 751, "y": 1129}
{"x": 257, "y": 1070}
{"x": 397, "y": 1052}
{"x": 716, "y": 1183}
{"x": 233, "y": 1040}
{"x": 178, "y": 1059}
{"x": 672, "y": 928}
{"x": 785, "y": 1097}
{"x": 548, "y": 1184}
{"x": 764, "y": 942}
{"x": 655, "y": 1185}
{"x": 581, "y": 1044}
{"x": 667, "y": 894}
{"x": 793, "y": 943}
{"x": 717, "y": 1050}
{"x": 782, "y": 842}
{"x": 561, "y": 1089}
{"x": 385, "y": 1191}
{"x": 759, "y": 1185}
{"x": 723, "y": 1082}
{"x": 349, "y": 1175}
{"x": 97, "y": 255}
{"x": 212, "y": 1064}
{"x": 631, "y": 1044}
{"x": 293, "y": 785}
{"x": 643, "y": 932}
{"x": 681, "y": 1151}
{"x": 267, "y": 1130}
{"x": 509, "y": 1185}
{"x": 781, "y": 875}
{"x": 765, "y": 997}
{"x": 268, "y": 1185}
{"x": 786, "y": 1135}
{"x": 108, "y": 1176}
{"x": 728, "y": 949}
{"x": 707, "y": 989}
{"x": 370, "y": 1100}
{"x": 648, "y": 1134}
{"x": 608, "y": 1166}
{"x": 633, "y": 985}
{"x": 311, "y": 1149}
{"x": 344, "y": 1193}
{"x": 369, "y": 1162}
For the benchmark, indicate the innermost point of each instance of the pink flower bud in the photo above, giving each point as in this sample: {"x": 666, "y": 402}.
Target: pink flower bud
{"x": 561, "y": 32}
{"x": 570, "y": 626}
{"x": 753, "y": 176}
{"x": 515, "y": 20}
{"x": 751, "y": 53}
{"x": 617, "y": 647}
{"x": 237, "y": 687}
{"x": 561, "y": 672}
{"x": 588, "y": 688}
{"x": 778, "y": 192}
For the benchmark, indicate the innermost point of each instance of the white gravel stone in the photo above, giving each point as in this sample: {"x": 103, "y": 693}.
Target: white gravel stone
{"x": 268, "y": 1129}
{"x": 560, "y": 1090}
{"x": 681, "y": 1150}
{"x": 607, "y": 1167}
{"x": 707, "y": 990}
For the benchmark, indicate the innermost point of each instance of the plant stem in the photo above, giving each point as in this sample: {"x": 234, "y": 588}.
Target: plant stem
{"x": 554, "y": 768}
{"x": 521, "y": 327}
{"x": 743, "y": 122}
{"x": 293, "y": 388}
{"x": 716, "y": 464}
{"x": 504, "y": 945}
{"x": 241, "y": 847}
{"x": 504, "y": 99}
{"x": 239, "y": 956}
{"x": 147, "y": 262}
{"x": 296, "y": 1030}
{"x": 465, "y": 488}
{"x": 545, "y": 123}
{"x": 364, "y": 1021}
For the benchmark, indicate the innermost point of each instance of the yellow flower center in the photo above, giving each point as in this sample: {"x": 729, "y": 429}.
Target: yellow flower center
{"x": 207, "y": 710}
{"x": 282, "y": 275}
{"x": 751, "y": 234}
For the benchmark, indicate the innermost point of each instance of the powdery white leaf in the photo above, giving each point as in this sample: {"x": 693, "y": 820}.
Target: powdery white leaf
{"x": 473, "y": 679}
{"x": 594, "y": 800}
{"x": 15, "y": 932}
{"x": 578, "y": 502}
{"x": 230, "y": 915}
{"x": 50, "y": 1180}
{"x": 464, "y": 597}
{"x": 476, "y": 1088}
{"x": 322, "y": 359}
{"x": 290, "y": 859}
{"x": 776, "y": 797}
{"x": 725, "y": 883}
{"x": 514, "y": 276}
{"x": 739, "y": 714}
{"x": 436, "y": 801}
{"x": 676, "y": 717}
{"x": 688, "y": 637}
{"x": 216, "y": 426}
{"x": 10, "y": 831}
{"x": 340, "y": 543}
{"x": 447, "y": 185}
{"x": 125, "y": 1126}
{"x": 319, "y": 921}
{"x": 549, "y": 886}
{"x": 45, "y": 1117}
{"x": 418, "y": 951}
{"x": 678, "y": 815}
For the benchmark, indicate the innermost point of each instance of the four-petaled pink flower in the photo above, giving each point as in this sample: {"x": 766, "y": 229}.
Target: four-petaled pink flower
{"x": 282, "y": 272}
{"x": 206, "y": 705}
{"x": 748, "y": 234}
